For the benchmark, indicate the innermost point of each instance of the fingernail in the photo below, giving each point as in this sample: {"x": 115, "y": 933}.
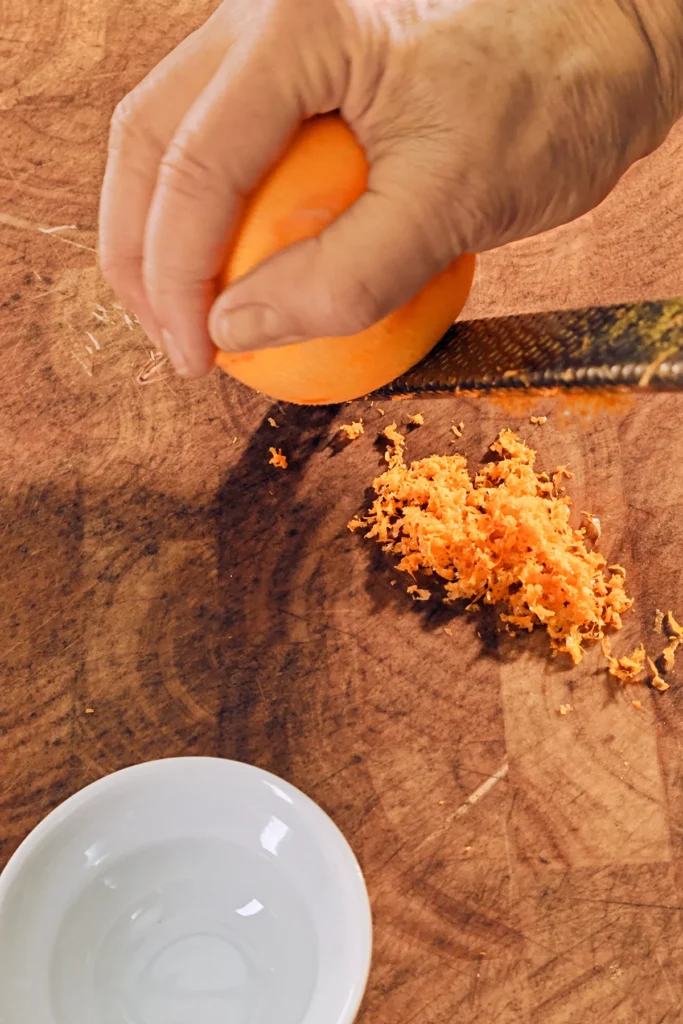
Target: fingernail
{"x": 174, "y": 353}
{"x": 248, "y": 327}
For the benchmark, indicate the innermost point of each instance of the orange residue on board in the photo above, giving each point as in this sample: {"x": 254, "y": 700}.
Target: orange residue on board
{"x": 587, "y": 405}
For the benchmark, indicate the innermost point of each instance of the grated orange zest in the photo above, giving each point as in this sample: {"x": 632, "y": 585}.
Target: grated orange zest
{"x": 656, "y": 680}
{"x": 501, "y": 537}
{"x": 669, "y": 654}
{"x": 593, "y": 526}
{"x": 628, "y": 667}
{"x": 673, "y": 629}
{"x": 277, "y": 459}
{"x": 352, "y": 430}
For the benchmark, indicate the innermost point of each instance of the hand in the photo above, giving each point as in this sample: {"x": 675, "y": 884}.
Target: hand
{"x": 484, "y": 121}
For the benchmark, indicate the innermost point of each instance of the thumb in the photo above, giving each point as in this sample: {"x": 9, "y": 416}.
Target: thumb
{"x": 371, "y": 260}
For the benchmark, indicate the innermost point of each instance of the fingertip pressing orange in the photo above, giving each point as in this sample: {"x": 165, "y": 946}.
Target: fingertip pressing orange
{"x": 321, "y": 174}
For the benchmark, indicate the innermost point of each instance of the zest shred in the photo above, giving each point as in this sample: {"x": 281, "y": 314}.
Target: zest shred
{"x": 352, "y": 430}
{"x": 503, "y": 537}
{"x": 277, "y": 459}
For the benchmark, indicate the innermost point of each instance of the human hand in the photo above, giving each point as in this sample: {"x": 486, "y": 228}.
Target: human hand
{"x": 483, "y": 121}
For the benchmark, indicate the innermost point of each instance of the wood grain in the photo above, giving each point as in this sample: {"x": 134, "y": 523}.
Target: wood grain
{"x": 156, "y": 570}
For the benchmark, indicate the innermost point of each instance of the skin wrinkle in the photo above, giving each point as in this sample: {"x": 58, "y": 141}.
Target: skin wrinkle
{"x": 507, "y": 215}
{"x": 661, "y": 26}
{"x": 484, "y": 121}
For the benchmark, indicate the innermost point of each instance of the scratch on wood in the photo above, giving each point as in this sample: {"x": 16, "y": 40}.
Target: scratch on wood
{"x": 677, "y": 907}
{"x": 150, "y": 371}
{"x": 59, "y": 227}
{"x": 665, "y": 977}
{"x": 481, "y": 791}
{"x": 79, "y": 360}
{"x": 25, "y": 225}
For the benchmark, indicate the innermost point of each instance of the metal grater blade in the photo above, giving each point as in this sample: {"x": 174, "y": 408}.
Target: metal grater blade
{"x": 603, "y": 347}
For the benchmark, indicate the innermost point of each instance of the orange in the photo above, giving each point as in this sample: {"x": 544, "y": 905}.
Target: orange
{"x": 321, "y": 174}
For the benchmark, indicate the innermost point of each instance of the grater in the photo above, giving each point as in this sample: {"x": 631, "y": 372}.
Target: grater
{"x": 624, "y": 347}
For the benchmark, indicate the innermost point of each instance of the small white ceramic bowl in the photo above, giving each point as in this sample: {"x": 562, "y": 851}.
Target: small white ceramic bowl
{"x": 184, "y": 891}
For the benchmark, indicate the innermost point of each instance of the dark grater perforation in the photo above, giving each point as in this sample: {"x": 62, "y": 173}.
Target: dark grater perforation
{"x": 610, "y": 348}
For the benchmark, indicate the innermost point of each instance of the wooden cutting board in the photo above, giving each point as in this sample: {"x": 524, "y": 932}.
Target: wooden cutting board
{"x": 164, "y": 591}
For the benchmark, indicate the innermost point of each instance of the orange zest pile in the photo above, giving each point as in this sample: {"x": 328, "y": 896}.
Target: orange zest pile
{"x": 501, "y": 537}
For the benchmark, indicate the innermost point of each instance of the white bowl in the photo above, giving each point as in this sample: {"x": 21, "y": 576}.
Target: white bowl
{"x": 184, "y": 891}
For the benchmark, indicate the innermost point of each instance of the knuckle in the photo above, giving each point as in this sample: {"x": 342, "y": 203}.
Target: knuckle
{"x": 124, "y": 121}
{"x": 356, "y": 307}
{"x": 110, "y": 265}
{"x": 163, "y": 277}
{"x": 118, "y": 271}
{"x": 131, "y": 130}
{"x": 183, "y": 170}
{"x": 110, "y": 270}
{"x": 168, "y": 277}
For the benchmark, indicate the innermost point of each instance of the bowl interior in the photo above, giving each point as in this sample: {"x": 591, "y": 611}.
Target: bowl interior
{"x": 187, "y": 891}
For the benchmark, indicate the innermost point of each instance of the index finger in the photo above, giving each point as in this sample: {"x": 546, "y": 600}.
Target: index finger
{"x": 230, "y": 137}
{"x": 142, "y": 127}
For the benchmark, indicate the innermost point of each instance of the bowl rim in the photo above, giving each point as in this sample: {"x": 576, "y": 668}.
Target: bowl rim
{"x": 353, "y": 874}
